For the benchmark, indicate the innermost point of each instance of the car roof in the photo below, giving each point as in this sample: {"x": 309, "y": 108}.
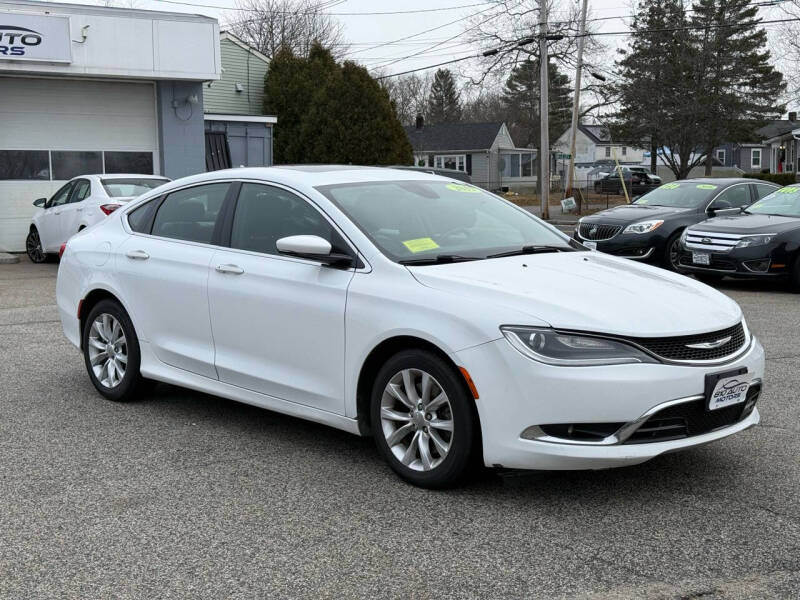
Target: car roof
{"x": 119, "y": 176}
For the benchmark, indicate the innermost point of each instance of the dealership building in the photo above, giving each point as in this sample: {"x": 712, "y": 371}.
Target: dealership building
{"x": 87, "y": 89}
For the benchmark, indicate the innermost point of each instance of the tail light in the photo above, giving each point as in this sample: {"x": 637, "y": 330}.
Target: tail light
{"x": 109, "y": 208}
{"x": 61, "y": 250}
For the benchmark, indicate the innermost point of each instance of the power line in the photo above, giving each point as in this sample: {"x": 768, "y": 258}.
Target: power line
{"x": 335, "y": 14}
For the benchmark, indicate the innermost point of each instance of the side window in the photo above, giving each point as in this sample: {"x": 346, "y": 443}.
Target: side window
{"x": 139, "y": 219}
{"x": 60, "y": 197}
{"x": 265, "y": 214}
{"x": 762, "y": 189}
{"x": 80, "y": 191}
{"x": 734, "y": 197}
{"x": 190, "y": 214}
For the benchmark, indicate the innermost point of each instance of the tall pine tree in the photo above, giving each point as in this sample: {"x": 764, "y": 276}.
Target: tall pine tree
{"x": 444, "y": 103}
{"x": 740, "y": 86}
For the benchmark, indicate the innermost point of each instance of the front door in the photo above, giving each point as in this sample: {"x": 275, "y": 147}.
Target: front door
{"x": 278, "y": 321}
{"x": 50, "y": 221}
{"x": 164, "y": 273}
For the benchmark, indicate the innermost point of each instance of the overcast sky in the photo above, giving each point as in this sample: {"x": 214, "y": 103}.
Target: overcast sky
{"x": 364, "y": 31}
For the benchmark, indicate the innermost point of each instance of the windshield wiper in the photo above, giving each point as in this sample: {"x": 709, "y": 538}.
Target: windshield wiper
{"x": 439, "y": 259}
{"x": 532, "y": 250}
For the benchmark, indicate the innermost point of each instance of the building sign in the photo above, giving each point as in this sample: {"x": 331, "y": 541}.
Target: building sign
{"x": 41, "y": 38}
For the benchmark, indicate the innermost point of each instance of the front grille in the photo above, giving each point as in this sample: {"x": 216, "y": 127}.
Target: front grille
{"x": 711, "y": 240}
{"x": 692, "y": 418}
{"x": 596, "y": 232}
{"x": 589, "y": 432}
{"x": 676, "y": 348}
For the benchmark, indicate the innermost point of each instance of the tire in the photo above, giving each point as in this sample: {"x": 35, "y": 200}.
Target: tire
{"x": 709, "y": 278}
{"x": 112, "y": 321}
{"x": 669, "y": 260}
{"x": 794, "y": 278}
{"x": 33, "y": 247}
{"x": 430, "y": 448}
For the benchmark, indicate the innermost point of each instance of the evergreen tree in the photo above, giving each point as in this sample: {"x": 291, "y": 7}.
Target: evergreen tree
{"x": 740, "y": 86}
{"x": 444, "y": 105}
{"x": 521, "y": 98}
{"x": 331, "y": 113}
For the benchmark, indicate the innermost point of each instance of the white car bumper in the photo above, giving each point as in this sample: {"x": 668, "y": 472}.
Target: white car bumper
{"x": 517, "y": 395}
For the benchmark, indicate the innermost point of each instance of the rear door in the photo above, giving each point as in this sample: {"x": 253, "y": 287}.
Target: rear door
{"x": 163, "y": 272}
{"x": 278, "y": 321}
{"x": 73, "y": 209}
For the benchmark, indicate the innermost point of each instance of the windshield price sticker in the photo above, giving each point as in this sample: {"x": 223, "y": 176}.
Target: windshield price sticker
{"x": 421, "y": 244}
{"x": 467, "y": 189}
{"x": 727, "y": 392}
{"x": 789, "y": 190}
{"x": 706, "y": 186}
{"x": 670, "y": 186}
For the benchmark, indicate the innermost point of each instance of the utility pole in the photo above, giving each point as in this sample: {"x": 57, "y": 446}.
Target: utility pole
{"x": 576, "y": 105}
{"x": 544, "y": 150}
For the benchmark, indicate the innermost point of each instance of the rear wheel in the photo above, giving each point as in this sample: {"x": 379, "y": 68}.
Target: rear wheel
{"x": 111, "y": 352}
{"x": 423, "y": 419}
{"x": 33, "y": 247}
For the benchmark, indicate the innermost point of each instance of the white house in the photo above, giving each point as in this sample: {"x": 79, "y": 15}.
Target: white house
{"x": 594, "y": 143}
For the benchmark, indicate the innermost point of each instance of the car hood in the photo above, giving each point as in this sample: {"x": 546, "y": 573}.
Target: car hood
{"x": 588, "y": 291}
{"x": 630, "y": 213}
{"x": 749, "y": 223}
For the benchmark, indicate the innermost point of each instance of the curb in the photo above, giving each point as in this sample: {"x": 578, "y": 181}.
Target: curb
{"x": 8, "y": 259}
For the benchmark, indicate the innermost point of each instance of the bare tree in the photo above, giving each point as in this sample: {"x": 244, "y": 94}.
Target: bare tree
{"x": 268, "y": 25}
{"x": 788, "y": 41}
{"x": 409, "y": 94}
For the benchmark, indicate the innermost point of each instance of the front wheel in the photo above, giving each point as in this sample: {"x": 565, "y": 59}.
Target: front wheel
{"x": 111, "y": 352}
{"x": 794, "y": 278}
{"x": 423, "y": 419}
{"x": 672, "y": 252}
{"x": 33, "y": 247}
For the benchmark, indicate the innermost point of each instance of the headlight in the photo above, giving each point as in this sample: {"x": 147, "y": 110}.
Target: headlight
{"x": 755, "y": 240}
{"x": 643, "y": 226}
{"x": 569, "y": 349}
{"x": 682, "y": 241}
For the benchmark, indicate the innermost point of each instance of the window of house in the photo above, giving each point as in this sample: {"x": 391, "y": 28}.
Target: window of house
{"x": 721, "y": 155}
{"x": 67, "y": 165}
{"x": 624, "y": 151}
{"x": 608, "y": 151}
{"x": 510, "y": 164}
{"x": 755, "y": 158}
{"x": 24, "y": 164}
{"x": 527, "y": 165}
{"x": 457, "y": 162}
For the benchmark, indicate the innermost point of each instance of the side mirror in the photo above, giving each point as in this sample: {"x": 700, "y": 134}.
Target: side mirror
{"x": 312, "y": 247}
{"x": 720, "y": 212}
{"x": 40, "y": 202}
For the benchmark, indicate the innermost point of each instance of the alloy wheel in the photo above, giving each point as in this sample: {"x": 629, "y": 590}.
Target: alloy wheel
{"x": 33, "y": 247}
{"x": 416, "y": 419}
{"x": 108, "y": 350}
{"x": 673, "y": 254}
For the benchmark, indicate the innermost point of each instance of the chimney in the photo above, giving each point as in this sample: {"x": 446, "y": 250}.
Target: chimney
{"x": 793, "y": 116}
{"x": 420, "y": 122}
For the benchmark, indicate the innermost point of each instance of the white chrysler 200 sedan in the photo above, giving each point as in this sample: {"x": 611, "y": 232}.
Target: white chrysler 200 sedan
{"x": 439, "y": 318}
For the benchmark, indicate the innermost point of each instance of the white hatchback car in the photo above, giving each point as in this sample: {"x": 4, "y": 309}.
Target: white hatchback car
{"x": 79, "y": 203}
{"x": 444, "y": 321}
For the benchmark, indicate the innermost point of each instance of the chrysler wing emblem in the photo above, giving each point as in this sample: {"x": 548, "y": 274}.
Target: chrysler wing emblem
{"x": 710, "y": 345}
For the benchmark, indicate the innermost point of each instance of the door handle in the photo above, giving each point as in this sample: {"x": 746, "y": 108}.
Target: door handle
{"x": 79, "y": 209}
{"x": 137, "y": 254}
{"x": 232, "y": 269}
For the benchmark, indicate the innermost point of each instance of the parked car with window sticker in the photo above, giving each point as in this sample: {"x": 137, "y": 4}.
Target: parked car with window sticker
{"x": 446, "y": 322}
{"x": 762, "y": 241}
{"x": 649, "y": 229}
{"x": 81, "y": 202}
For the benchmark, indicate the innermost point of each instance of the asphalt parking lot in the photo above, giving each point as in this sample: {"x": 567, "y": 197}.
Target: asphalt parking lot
{"x": 183, "y": 495}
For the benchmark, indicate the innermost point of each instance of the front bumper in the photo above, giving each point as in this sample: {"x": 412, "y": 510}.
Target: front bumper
{"x": 635, "y": 246}
{"x": 757, "y": 262}
{"x": 518, "y": 394}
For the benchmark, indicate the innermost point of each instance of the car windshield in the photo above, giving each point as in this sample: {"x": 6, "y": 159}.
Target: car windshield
{"x": 680, "y": 194}
{"x": 122, "y": 188}
{"x": 420, "y": 221}
{"x": 783, "y": 202}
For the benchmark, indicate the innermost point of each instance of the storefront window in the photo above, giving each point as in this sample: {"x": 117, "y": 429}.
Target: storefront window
{"x": 67, "y": 165}
{"x": 24, "y": 164}
{"x": 140, "y": 163}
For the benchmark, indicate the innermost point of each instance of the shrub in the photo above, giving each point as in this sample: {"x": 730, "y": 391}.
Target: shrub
{"x": 779, "y": 178}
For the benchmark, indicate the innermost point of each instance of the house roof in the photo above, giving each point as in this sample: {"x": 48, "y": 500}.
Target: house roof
{"x": 776, "y": 128}
{"x": 597, "y": 133}
{"x": 227, "y": 35}
{"x": 453, "y": 136}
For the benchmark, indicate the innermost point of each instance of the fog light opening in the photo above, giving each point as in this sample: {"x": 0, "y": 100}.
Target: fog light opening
{"x": 757, "y": 266}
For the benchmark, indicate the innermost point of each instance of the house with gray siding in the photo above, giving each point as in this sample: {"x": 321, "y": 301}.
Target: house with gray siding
{"x": 485, "y": 151}
{"x": 237, "y": 133}
{"x": 773, "y": 149}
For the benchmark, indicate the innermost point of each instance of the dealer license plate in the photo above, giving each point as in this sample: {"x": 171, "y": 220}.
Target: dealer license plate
{"x": 729, "y": 391}
{"x": 701, "y": 258}
{"x": 590, "y": 245}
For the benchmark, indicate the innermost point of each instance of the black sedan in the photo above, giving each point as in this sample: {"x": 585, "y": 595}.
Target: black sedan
{"x": 637, "y": 181}
{"x": 763, "y": 241}
{"x": 650, "y": 228}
